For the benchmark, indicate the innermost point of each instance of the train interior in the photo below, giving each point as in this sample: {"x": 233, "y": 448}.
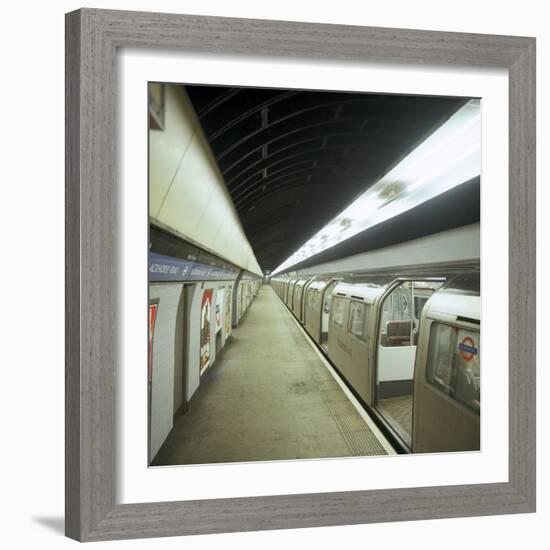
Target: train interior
{"x": 399, "y": 325}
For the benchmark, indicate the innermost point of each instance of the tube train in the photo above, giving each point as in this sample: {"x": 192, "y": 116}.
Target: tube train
{"x": 407, "y": 344}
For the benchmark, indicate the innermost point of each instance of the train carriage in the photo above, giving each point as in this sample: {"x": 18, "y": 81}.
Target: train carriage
{"x": 387, "y": 338}
{"x": 299, "y": 290}
{"x": 317, "y": 303}
{"x": 447, "y": 371}
{"x": 290, "y": 293}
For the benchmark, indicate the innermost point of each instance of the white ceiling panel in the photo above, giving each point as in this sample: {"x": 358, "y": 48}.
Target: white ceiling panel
{"x": 188, "y": 193}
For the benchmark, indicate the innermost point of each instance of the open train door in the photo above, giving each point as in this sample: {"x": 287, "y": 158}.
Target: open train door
{"x": 398, "y": 329}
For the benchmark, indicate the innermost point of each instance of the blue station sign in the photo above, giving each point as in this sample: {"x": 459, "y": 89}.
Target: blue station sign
{"x": 167, "y": 268}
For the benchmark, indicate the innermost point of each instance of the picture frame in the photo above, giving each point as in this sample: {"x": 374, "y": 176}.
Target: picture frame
{"x": 92, "y": 39}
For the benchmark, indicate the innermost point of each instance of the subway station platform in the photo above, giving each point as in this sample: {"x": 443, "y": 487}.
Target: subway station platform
{"x": 270, "y": 396}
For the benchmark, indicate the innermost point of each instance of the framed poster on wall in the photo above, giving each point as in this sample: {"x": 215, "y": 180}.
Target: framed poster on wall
{"x": 206, "y": 306}
{"x": 228, "y": 312}
{"x": 219, "y": 307}
{"x": 96, "y": 40}
{"x": 153, "y": 310}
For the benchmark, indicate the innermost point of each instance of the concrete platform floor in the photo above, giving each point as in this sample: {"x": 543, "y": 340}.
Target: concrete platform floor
{"x": 269, "y": 396}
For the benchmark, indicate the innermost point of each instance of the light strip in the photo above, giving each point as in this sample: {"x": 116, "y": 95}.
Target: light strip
{"x": 447, "y": 158}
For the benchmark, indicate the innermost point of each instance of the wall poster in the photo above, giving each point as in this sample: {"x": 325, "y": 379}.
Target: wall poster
{"x": 153, "y": 309}
{"x": 228, "y": 313}
{"x": 219, "y": 307}
{"x": 206, "y": 305}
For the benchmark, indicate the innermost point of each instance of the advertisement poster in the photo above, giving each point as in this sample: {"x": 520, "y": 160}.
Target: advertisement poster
{"x": 152, "y": 317}
{"x": 206, "y": 305}
{"x": 219, "y": 307}
{"x": 153, "y": 309}
{"x": 228, "y": 313}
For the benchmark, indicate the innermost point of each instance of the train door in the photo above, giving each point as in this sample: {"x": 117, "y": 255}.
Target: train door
{"x": 303, "y": 299}
{"x": 312, "y": 312}
{"x": 290, "y": 293}
{"x": 338, "y": 345}
{"x": 297, "y": 301}
{"x": 326, "y": 297}
{"x": 399, "y": 320}
{"x": 360, "y": 340}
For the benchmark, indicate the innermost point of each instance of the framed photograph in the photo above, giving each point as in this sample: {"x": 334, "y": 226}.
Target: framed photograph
{"x": 236, "y": 188}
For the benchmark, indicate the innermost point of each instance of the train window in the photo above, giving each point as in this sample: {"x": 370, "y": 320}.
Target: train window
{"x": 358, "y": 319}
{"x": 328, "y": 302}
{"x": 338, "y": 305}
{"x": 453, "y": 363}
{"x": 315, "y": 301}
{"x": 440, "y": 356}
{"x": 396, "y": 325}
{"x": 402, "y": 310}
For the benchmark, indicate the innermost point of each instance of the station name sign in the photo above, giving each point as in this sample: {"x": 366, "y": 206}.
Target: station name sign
{"x": 167, "y": 268}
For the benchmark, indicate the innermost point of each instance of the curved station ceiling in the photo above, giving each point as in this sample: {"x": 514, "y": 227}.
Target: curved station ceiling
{"x": 292, "y": 159}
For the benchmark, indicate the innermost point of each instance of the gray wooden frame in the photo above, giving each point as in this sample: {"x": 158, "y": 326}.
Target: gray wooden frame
{"x": 92, "y": 39}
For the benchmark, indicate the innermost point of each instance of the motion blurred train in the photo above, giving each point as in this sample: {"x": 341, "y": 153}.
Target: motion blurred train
{"x": 407, "y": 343}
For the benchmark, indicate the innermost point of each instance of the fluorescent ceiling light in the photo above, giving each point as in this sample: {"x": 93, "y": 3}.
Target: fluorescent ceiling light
{"x": 448, "y": 157}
